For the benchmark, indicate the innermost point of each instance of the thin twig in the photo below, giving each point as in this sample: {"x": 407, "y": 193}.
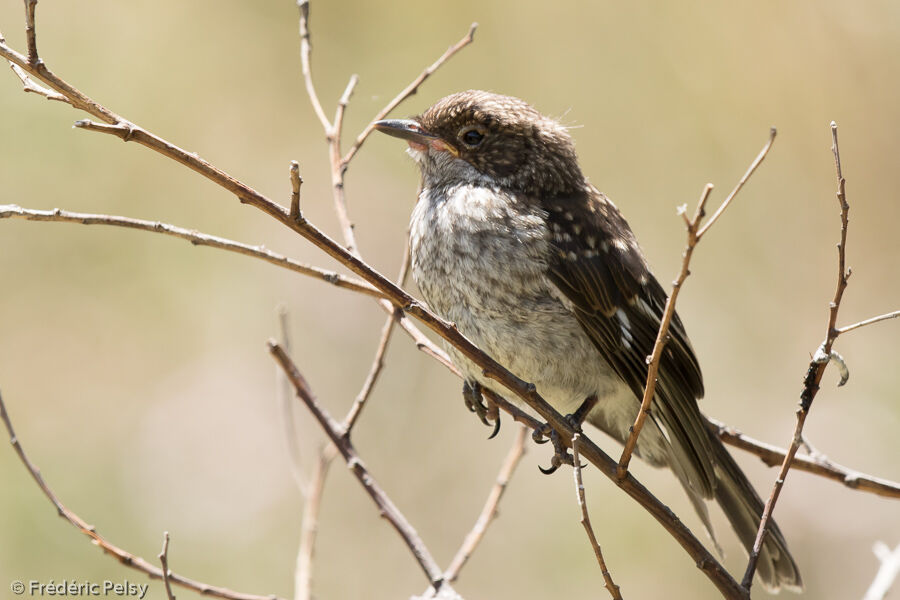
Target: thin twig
{"x": 124, "y": 557}
{"x": 694, "y": 234}
{"x": 196, "y": 238}
{"x": 164, "y": 561}
{"x": 29, "y": 85}
{"x": 609, "y": 584}
{"x": 887, "y": 572}
{"x": 336, "y": 434}
{"x": 305, "y": 51}
{"x": 411, "y": 89}
{"x": 378, "y": 360}
{"x": 878, "y": 319}
{"x": 814, "y": 372}
{"x": 310, "y": 523}
{"x": 285, "y": 397}
{"x": 740, "y": 184}
{"x": 337, "y": 173}
{"x": 818, "y": 465}
{"x": 489, "y": 512}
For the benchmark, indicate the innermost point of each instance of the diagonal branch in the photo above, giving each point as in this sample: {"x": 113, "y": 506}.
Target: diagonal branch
{"x": 124, "y": 557}
{"x": 411, "y": 89}
{"x": 196, "y": 238}
{"x": 694, "y": 234}
{"x": 817, "y": 465}
{"x": 878, "y": 319}
{"x": 337, "y": 434}
{"x": 610, "y": 585}
{"x": 814, "y": 372}
{"x": 489, "y": 512}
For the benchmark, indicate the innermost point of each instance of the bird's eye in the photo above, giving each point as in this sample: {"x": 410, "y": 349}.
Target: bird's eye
{"x": 471, "y": 136}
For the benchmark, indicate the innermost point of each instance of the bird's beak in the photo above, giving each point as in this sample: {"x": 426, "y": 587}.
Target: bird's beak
{"x": 415, "y": 135}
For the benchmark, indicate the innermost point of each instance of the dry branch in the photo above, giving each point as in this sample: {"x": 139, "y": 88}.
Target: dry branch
{"x": 337, "y": 434}
{"x": 164, "y": 562}
{"x": 489, "y": 512}
{"x": 196, "y": 238}
{"x": 773, "y": 456}
{"x": 124, "y": 557}
{"x": 694, "y": 235}
{"x": 814, "y": 373}
{"x": 610, "y": 585}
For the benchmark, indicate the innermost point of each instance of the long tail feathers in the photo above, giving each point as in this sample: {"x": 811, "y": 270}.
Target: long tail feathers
{"x": 743, "y": 507}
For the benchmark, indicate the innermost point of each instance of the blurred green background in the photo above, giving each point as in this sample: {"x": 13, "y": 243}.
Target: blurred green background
{"x": 134, "y": 366}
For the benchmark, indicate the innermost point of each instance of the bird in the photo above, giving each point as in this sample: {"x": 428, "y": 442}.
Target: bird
{"x": 511, "y": 242}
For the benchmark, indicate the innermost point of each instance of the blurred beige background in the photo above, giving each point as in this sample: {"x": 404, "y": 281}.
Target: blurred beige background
{"x": 134, "y": 366}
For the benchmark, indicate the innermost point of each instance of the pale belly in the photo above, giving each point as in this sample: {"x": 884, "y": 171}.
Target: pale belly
{"x": 491, "y": 285}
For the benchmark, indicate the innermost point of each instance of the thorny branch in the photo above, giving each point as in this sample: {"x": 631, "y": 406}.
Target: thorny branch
{"x": 694, "y": 234}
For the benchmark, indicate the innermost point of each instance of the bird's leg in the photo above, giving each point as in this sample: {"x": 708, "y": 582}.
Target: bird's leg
{"x": 561, "y": 454}
{"x": 576, "y": 419}
{"x": 475, "y": 403}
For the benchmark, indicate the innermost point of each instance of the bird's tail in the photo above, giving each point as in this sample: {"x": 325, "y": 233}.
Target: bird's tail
{"x": 743, "y": 507}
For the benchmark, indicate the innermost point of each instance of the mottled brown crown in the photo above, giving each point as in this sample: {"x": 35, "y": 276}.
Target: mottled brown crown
{"x": 521, "y": 148}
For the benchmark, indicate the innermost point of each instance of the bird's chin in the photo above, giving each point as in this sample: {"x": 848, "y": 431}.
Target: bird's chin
{"x": 417, "y": 151}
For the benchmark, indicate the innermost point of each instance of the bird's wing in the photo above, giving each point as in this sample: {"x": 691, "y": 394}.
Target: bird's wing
{"x": 598, "y": 266}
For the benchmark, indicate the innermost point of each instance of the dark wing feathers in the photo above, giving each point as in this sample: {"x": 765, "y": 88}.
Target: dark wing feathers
{"x": 599, "y": 267}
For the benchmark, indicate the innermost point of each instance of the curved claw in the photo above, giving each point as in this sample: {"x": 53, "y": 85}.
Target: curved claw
{"x": 548, "y": 471}
{"x": 496, "y": 428}
{"x": 476, "y": 404}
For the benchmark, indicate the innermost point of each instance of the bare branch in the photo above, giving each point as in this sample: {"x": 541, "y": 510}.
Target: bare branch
{"x": 196, "y": 238}
{"x": 489, "y": 512}
{"x": 124, "y": 557}
{"x": 740, "y": 184}
{"x": 887, "y": 572}
{"x": 813, "y": 374}
{"x": 31, "y": 86}
{"x": 310, "y": 523}
{"x": 610, "y": 585}
{"x": 817, "y": 465}
{"x": 378, "y": 360}
{"x": 411, "y": 89}
{"x": 164, "y": 561}
{"x": 694, "y": 233}
{"x": 30, "y": 32}
{"x": 337, "y": 434}
{"x": 878, "y": 319}
{"x": 305, "y": 51}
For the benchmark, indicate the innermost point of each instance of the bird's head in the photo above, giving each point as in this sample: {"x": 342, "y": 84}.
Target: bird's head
{"x": 489, "y": 139}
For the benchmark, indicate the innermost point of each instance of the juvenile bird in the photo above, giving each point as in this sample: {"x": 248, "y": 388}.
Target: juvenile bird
{"x": 512, "y": 243}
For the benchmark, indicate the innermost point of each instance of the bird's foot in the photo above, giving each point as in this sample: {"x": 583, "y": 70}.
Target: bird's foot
{"x": 486, "y": 411}
{"x": 561, "y": 454}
